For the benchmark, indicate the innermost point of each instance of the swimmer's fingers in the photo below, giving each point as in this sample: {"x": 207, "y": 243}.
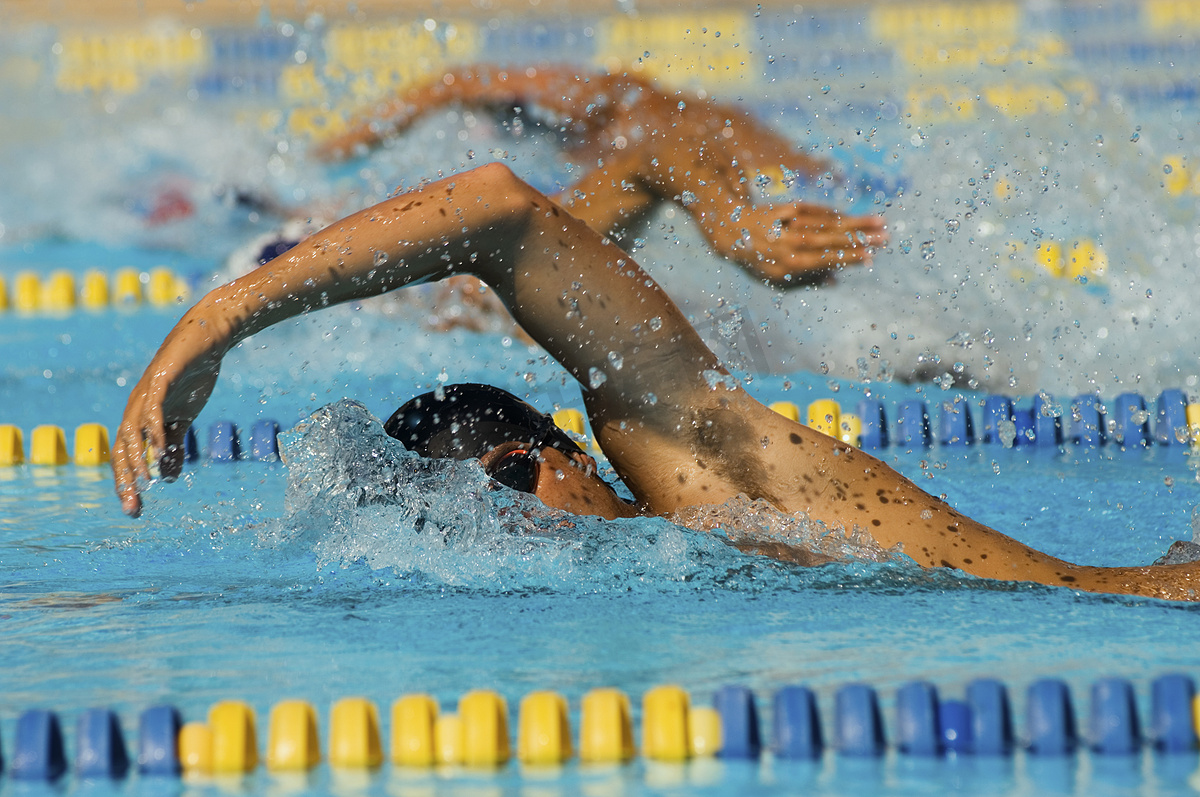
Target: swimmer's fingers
{"x": 819, "y": 238}
{"x": 126, "y": 482}
{"x": 826, "y": 227}
{"x": 129, "y": 464}
{"x": 145, "y": 437}
{"x": 781, "y": 244}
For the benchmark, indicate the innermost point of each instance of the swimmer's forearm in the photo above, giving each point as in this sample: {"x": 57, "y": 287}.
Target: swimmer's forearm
{"x": 558, "y": 90}
{"x": 584, "y": 300}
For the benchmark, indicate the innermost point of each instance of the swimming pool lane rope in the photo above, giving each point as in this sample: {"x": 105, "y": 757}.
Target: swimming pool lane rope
{"x": 1086, "y": 422}
{"x": 62, "y": 292}
{"x": 476, "y": 735}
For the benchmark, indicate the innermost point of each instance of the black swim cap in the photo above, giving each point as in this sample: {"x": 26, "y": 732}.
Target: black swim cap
{"x": 468, "y": 420}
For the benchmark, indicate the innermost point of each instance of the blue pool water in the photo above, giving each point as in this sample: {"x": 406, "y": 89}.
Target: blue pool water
{"x": 223, "y": 591}
{"x": 245, "y": 581}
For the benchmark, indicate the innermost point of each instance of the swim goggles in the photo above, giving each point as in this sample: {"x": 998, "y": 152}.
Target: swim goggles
{"x": 466, "y": 421}
{"x": 517, "y": 469}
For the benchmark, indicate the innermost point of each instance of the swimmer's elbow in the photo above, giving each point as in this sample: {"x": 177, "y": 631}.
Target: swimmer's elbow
{"x": 499, "y": 177}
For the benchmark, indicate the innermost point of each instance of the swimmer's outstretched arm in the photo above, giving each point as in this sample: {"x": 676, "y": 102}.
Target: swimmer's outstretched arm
{"x": 582, "y": 104}
{"x": 582, "y": 298}
{"x": 674, "y": 425}
{"x": 654, "y": 147}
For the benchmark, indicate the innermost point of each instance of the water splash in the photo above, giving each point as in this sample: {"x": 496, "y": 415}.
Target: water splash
{"x": 355, "y": 495}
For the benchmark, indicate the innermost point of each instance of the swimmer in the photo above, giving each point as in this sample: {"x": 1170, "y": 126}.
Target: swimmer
{"x": 655, "y": 148}
{"x": 675, "y": 440}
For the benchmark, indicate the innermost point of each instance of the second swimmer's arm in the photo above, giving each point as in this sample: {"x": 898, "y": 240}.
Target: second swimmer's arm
{"x": 558, "y": 90}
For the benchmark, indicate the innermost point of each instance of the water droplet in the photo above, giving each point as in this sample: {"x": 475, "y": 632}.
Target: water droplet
{"x": 1007, "y": 432}
{"x": 596, "y": 378}
{"x": 617, "y": 359}
{"x": 380, "y": 258}
{"x": 687, "y": 198}
{"x": 825, "y": 89}
{"x": 1167, "y": 168}
{"x": 927, "y": 250}
{"x": 905, "y": 246}
{"x": 952, "y": 225}
{"x": 655, "y": 324}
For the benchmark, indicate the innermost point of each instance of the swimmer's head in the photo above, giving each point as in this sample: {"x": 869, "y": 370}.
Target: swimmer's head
{"x": 466, "y": 421}
{"x": 517, "y": 446}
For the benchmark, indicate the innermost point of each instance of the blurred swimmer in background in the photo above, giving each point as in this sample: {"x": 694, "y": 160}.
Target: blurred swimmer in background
{"x": 679, "y": 430}
{"x": 649, "y": 148}
{"x": 652, "y": 147}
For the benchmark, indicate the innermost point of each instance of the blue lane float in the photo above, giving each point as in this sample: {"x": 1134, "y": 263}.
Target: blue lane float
{"x": 1050, "y": 719}
{"x": 739, "y": 722}
{"x": 264, "y": 441}
{"x": 223, "y": 442}
{"x": 1172, "y": 723}
{"x": 158, "y": 748}
{"x": 191, "y": 451}
{"x": 997, "y": 411}
{"x": 858, "y": 724}
{"x": 918, "y": 725}
{"x": 1133, "y": 422}
{"x": 38, "y": 754}
{"x": 1023, "y": 424}
{"x": 1171, "y": 426}
{"x": 954, "y": 424}
{"x": 954, "y": 719}
{"x": 1047, "y": 422}
{"x": 797, "y": 724}
{"x": 913, "y": 425}
{"x": 1087, "y": 421}
{"x": 99, "y": 745}
{"x": 874, "y": 424}
{"x": 991, "y": 718}
{"x": 1114, "y": 724}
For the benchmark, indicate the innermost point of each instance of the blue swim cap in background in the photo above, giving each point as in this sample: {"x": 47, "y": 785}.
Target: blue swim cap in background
{"x": 274, "y": 250}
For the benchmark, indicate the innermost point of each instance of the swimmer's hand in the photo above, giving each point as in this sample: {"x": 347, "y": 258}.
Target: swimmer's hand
{"x": 162, "y": 406}
{"x": 782, "y": 243}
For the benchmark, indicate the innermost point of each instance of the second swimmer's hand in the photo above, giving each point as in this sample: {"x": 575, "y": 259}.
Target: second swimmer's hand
{"x": 783, "y": 242}
{"x": 163, "y": 404}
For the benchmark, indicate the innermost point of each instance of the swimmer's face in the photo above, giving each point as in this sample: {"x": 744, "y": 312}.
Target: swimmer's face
{"x": 563, "y": 481}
